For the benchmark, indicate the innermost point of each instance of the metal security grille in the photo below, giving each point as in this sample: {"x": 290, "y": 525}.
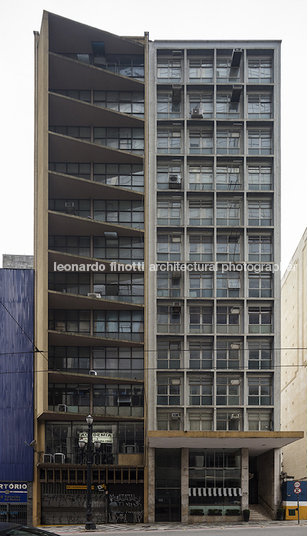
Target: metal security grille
{"x": 13, "y": 513}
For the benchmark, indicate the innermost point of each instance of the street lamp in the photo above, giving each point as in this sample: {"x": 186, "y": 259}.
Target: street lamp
{"x": 89, "y": 525}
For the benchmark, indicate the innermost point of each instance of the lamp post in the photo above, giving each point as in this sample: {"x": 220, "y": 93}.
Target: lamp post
{"x": 89, "y": 525}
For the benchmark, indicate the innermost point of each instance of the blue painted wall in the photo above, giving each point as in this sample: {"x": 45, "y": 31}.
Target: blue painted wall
{"x": 16, "y": 374}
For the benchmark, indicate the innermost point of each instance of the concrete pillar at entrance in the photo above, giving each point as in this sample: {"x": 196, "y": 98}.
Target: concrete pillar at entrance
{"x": 244, "y": 479}
{"x": 151, "y": 485}
{"x": 184, "y": 485}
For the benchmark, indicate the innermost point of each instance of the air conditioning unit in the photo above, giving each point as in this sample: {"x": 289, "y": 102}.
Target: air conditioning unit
{"x": 69, "y": 204}
{"x": 176, "y": 307}
{"x": 176, "y": 416}
{"x": 196, "y": 113}
{"x": 93, "y": 295}
{"x": 93, "y": 372}
{"x": 48, "y": 458}
{"x": 62, "y": 407}
{"x": 59, "y": 457}
{"x": 174, "y": 182}
{"x": 235, "y": 416}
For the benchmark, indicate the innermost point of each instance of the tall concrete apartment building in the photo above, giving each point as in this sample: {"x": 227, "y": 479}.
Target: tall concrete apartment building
{"x": 157, "y": 223}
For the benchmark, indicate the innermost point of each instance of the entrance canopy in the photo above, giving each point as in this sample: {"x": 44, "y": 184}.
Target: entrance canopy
{"x": 256, "y": 442}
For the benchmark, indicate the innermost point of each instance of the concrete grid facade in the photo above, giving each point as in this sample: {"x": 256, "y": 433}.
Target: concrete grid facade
{"x": 158, "y": 178}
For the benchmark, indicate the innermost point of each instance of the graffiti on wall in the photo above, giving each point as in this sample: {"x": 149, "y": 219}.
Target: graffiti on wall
{"x": 125, "y": 508}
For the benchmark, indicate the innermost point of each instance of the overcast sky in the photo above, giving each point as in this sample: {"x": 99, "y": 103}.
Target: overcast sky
{"x": 163, "y": 19}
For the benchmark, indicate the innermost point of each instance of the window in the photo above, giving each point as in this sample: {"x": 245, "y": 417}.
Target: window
{"x": 228, "y": 178}
{"x": 200, "y": 70}
{"x": 259, "y": 391}
{"x": 201, "y": 141}
{"x": 126, "y": 102}
{"x": 260, "y": 422}
{"x": 82, "y": 133}
{"x": 228, "y": 390}
{"x": 168, "y": 284}
{"x": 226, "y": 73}
{"x": 169, "y": 176}
{"x": 228, "y": 420}
{"x": 260, "y": 71}
{"x": 200, "y": 421}
{"x": 227, "y": 319}
{"x": 228, "y": 284}
{"x": 200, "y": 177}
{"x": 260, "y": 213}
{"x": 75, "y": 207}
{"x": 69, "y": 358}
{"x": 132, "y": 65}
{"x": 71, "y": 321}
{"x": 168, "y": 391}
{"x": 226, "y": 108}
{"x": 78, "y": 170}
{"x": 124, "y": 139}
{"x": 75, "y": 397}
{"x": 168, "y": 354}
{"x": 260, "y": 248}
{"x": 201, "y": 212}
{"x": 201, "y": 104}
{"x": 123, "y": 400}
{"x": 125, "y": 249}
{"x": 124, "y": 175}
{"x": 167, "y": 421}
{"x": 227, "y": 142}
{"x": 201, "y": 319}
{"x": 83, "y": 94}
{"x": 260, "y": 142}
{"x": 200, "y": 354}
{"x": 259, "y": 106}
{"x": 127, "y": 325}
{"x": 228, "y": 354}
{"x": 260, "y": 285}
{"x": 168, "y": 248}
{"x": 228, "y": 212}
{"x": 167, "y": 107}
{"x": 123, "y": 287}
{"x": 219, "y": 469}
{"x": 75, "y": 245}
{"x": 201, "y": 248}
{"x": 73, "y": 283}
{"x": 169, "y": 320}
{"x": 259, "y": 177}
{"x": 169, "y": 70}
{"x": 169, "y": 212}
{"x": 168, "y": 141}
{"x": 227, "y": 248}
{"x": 128, "y": 213}
{"x": 201, "y": 285}
{"x": 260, "y": 319}
{"x": 200, "y": 391}
{"x": 259, "y": 355}
{"x": 123, "y": 362}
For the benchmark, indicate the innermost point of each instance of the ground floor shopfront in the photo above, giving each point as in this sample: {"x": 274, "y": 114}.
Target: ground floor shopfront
{"x": 191, "y": 476}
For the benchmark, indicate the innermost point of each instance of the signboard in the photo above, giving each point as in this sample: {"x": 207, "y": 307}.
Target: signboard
{"x": 103, "y": 437}
{"x": 13, "y": 492}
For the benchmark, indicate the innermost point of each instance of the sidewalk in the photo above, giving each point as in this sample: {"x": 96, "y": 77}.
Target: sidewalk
{"x": 64, "y": 529}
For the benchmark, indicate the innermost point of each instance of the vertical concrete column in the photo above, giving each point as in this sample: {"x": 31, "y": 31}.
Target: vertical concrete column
{"x": 184, "y": 485}
{"x": 244, "y": 478}
{"x": 151, "y": 485}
